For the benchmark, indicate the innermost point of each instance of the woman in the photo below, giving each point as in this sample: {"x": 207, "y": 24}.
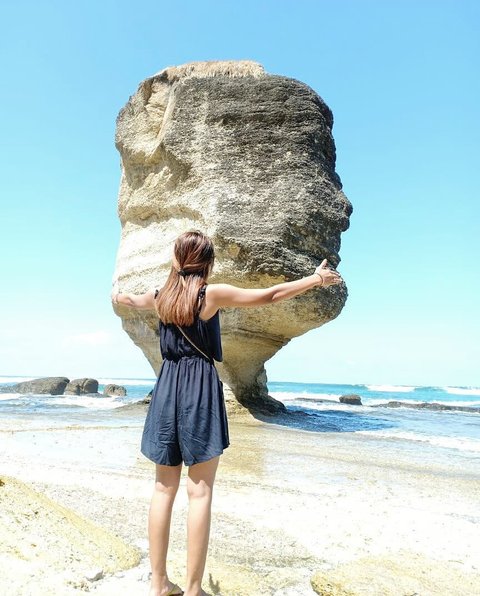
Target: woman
{"x": 186, "y": 420}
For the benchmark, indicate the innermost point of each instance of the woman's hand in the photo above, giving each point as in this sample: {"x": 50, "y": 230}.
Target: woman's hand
{"x": 115, "y": 292}
{"x": 329, "y": 277}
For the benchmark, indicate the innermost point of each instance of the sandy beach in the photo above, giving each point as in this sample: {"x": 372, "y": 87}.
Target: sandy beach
{"x": 294, "y": 512}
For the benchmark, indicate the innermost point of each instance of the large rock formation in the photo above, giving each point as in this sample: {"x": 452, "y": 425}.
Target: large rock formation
{"x": 249, "y": 158}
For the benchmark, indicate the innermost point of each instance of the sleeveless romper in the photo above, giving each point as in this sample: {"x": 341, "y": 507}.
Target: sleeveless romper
{"x": 187, "y": 419}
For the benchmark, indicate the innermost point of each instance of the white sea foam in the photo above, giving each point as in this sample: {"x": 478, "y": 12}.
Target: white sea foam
{"x": 383, "y": 402}
{"x": 332, "y": 404}
{"x": 13, "y": 380}
{"x": 373, "y": 401}
{"x": 475, "y": 402}
{"x": 293, "y": 395}
{"x": 145, "y": 382}
{"x": 391, "y": 388}
{"x": 284, "y": 396}
{"x": 97, "y": 403}
{"x": 462, "y": 390}
{"x": 461, "y": 443}
{"x": 7, "y": 396}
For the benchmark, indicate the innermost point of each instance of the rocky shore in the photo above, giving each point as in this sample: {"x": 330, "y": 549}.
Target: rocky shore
{"x": 55, "y": 386}
{"x": 294, "y": 512}
{"x": 63, "y": 386}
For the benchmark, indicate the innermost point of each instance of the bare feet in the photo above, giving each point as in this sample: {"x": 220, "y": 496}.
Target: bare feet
{"x": 163, "y": 588}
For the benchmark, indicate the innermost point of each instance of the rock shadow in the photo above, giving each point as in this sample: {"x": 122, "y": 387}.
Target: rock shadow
{"x": 333, "y": 420}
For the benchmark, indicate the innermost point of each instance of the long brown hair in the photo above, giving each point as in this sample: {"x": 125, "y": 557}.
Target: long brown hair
{"x": 192, "y": 263}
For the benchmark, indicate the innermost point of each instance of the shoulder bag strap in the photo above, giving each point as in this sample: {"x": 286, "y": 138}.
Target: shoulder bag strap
{"x": 193, "y": 344}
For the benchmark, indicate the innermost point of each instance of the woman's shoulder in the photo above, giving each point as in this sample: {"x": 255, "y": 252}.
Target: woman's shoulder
{"x": 215, "y": 289}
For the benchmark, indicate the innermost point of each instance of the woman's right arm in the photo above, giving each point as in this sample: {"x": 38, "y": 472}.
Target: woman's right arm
{"x": 224, "y": 295}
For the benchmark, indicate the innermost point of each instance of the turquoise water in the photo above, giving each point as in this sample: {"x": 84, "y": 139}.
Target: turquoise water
{"x": 452, "y": 429}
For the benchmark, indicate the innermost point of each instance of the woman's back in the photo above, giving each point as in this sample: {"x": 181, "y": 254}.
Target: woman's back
{"x": 204, "y": 333}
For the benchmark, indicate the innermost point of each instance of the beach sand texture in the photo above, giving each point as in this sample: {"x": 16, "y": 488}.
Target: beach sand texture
{"x": 49, "y": 548}
{"x": 292, "y": 511}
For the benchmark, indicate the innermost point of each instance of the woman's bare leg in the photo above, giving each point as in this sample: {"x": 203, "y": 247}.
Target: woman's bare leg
{"x": 200, "y": 488}
{"x": 167, "y": 479}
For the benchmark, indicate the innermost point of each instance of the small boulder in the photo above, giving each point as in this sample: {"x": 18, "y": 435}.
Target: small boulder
{"x": 46, "y": 385}
{"x": 113, "y": 390}
{"x": 81, "y": 387}
{"x": 148, "y": 398}
{"x": 351, "y": 399}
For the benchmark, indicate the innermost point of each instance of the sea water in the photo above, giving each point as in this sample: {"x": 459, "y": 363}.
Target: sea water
{"x": 457, "y": 430}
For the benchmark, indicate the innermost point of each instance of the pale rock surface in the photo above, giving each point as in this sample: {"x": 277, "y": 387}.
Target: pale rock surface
{"x": 49, "y": 549}
{"x": 248, "y": 158}
{"x": 403, "y": 573}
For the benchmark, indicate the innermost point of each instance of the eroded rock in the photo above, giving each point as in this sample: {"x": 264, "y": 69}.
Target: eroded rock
{"x": 46, "y": 385}
{"x": 249, "y": 158}
{"x": 113, "y": 390}
{"x": 81, "y": 386}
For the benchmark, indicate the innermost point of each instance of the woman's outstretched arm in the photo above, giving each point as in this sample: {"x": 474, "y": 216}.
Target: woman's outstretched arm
{"x": 144, "y": 301}
{"x": 224, "y": 295}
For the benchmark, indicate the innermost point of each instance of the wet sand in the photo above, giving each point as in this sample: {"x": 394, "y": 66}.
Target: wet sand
{"x": 357, "y": 514}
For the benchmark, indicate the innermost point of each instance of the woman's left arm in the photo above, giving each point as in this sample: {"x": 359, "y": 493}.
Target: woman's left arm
{"x": 139, "y": 301}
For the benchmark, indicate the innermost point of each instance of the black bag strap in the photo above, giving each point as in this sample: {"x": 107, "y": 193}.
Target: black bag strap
{"x": 194, "y": 345}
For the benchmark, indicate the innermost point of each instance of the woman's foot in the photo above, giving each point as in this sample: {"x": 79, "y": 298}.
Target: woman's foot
{"x": 164, "y": 588}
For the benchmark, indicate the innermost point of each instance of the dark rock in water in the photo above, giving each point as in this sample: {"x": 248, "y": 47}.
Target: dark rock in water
{"x": 148, "y": 398}
{"x": 267, "y": 405}
{"x": 351, "y": 398}
{"x": 81, "y": 387}
{"x": 426, "y": 406}
{"x": 47, "y": 385}
{"x": 113, "y": 390}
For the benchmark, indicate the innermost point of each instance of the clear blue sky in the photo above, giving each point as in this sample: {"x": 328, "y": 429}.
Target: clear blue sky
{"x": 402, "y": 80}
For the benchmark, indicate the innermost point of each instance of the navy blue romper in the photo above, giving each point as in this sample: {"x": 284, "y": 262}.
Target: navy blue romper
{"x": 187, "y": 419}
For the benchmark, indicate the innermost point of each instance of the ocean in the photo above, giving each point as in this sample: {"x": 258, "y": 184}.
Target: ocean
{"x": 444, "y": 429}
